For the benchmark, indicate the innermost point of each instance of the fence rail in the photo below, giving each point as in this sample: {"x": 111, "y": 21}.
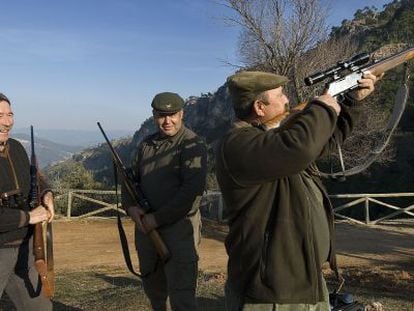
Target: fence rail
{"x": 212, "y": 205}
{"x": 368, "y": 199}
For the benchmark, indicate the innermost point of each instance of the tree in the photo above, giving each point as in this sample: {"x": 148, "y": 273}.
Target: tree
{"x": 275, "y": 34}
{"x": 71, "y": 175}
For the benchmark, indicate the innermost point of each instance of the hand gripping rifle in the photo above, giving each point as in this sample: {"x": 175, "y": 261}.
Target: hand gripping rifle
{"x": 43, "y": 252}
{"x": 138, "y": 197}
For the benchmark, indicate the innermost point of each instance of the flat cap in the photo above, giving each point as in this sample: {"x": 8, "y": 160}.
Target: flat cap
{"x": 244, "y": 86}
{"x": 167, "y": 102}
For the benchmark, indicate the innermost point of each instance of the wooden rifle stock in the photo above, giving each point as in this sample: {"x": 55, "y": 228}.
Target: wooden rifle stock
{"x": 138, "y": 198}
{"x": 44, "y": 264}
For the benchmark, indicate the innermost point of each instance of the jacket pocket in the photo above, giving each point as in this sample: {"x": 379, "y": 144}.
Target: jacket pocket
{"x": 264, "y": 257}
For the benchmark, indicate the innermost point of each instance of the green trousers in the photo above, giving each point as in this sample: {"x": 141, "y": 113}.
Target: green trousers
{"x": 235, "y": 302}
{"x": 177, "y": 278}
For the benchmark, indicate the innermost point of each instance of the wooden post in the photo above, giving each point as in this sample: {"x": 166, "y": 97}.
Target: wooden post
{"x": 367, "y": 220}
{"x": 70, "y": 199}
{"x": 220, "y": 208}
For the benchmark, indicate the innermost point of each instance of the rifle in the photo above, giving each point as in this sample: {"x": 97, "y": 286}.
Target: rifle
{"x": 44, "y": 261}
{"x": 344, "y": 76}
{"x": 355, "y": 67}
{"x": 138, "y": 197}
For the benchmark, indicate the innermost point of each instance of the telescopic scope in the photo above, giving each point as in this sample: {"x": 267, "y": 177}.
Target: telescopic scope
{"x": 351, "y": 64}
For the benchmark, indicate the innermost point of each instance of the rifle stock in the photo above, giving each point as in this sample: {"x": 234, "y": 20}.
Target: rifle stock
{"x": 138, "y": 199}
{"x": 46, "y": 274}
{"x": 44, "y": 264}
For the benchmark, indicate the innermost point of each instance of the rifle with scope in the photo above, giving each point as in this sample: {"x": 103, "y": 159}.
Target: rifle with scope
{"x": 345, "y": 74}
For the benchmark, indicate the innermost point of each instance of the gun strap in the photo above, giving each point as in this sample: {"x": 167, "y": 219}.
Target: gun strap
{"x": 121, "y": 230}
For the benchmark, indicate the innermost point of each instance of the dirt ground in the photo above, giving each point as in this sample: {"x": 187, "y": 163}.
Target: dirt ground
{"x": 83, "y": 244}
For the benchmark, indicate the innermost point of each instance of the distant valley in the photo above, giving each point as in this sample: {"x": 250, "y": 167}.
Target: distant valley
{"x": 53, "y": 146}
{"x": 77, "y": 138}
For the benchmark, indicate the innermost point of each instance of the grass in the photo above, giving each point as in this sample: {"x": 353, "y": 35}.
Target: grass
{"x": 115, "y": 289}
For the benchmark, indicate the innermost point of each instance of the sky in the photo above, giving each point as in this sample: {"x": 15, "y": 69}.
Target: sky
{"x": 67, "y": 64}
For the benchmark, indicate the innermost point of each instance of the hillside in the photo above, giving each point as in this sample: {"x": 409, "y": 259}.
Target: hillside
{"x": 47, "y": 152}
{"x": 210, "y": 115}
{"x": 74, "y": 137}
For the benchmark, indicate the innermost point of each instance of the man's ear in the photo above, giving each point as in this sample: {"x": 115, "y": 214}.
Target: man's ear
{"x": 258, "y": 108}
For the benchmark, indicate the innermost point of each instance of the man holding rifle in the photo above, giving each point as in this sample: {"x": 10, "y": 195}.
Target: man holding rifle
{"x": 280, "y": 217}
{"x": 170, "y": 168}
{"x": 18, "y": 276}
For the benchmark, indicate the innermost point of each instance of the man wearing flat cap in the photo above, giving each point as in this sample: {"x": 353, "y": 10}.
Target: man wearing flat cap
{"x": 280, "y": 219}
{"x": 171, "y": 168}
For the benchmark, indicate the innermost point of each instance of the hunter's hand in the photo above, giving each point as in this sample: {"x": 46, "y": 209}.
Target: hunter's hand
{"x": 137, "y": 214}
{"x": 38, "y": 214}
{"x": 365, "y": 86}
{"x": 48, "y": 202}
{"x": 149, "y": 222}
{"x": 330, "y": 101}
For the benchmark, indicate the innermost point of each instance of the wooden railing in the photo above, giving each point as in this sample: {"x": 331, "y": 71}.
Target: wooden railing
{"x": 88, "y": 196}
{"x": 212, "y": 205}
{"x": 367, "y": 200}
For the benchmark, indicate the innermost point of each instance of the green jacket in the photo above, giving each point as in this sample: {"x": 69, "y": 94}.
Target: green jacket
{"x": 172, "y": 174}
{"x": 271, "y": 245}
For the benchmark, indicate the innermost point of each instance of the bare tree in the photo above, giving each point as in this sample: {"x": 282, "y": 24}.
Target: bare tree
{"x": 275, "y": 33}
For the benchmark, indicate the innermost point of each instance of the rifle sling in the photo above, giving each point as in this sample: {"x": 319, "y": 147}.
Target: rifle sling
{"x": 121, "y": 230}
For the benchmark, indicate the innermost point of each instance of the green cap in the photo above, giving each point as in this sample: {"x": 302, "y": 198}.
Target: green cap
{"x": 245, "y": 86}
{"x": 167, "y": 102}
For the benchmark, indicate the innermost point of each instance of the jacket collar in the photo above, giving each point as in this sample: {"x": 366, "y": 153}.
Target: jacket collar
{"x": 243, "y": 124}
{"x": 159, "y": 139}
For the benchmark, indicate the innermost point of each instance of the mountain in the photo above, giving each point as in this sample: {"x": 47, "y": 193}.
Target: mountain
{"x": 47, "y": 152}
{"x": 82, "y": 138}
